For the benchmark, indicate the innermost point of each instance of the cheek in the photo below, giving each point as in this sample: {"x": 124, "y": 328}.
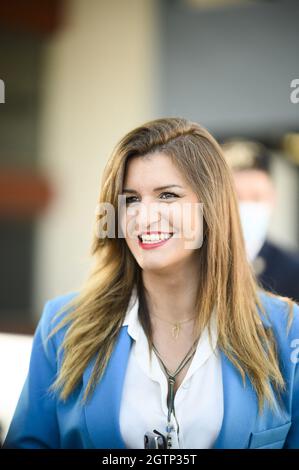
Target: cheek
{"x": 127, "y": 220}
{"x": 131, "y": 245}
{"x": 188, "y": 221}
{"x": 196, "y": 227}
{"x": 127, "y": 226}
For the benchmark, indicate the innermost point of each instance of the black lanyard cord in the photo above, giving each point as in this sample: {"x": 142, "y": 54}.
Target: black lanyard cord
{"x": 171, "y": 378}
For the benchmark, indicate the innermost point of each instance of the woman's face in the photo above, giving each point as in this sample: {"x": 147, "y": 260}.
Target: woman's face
{"x": 159, "y": 202}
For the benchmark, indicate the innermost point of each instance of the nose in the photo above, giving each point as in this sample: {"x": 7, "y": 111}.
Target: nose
{"x": 148, "y": 216}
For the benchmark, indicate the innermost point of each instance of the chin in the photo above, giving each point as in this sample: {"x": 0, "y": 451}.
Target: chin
{"x": 152, "y": 265}
{"x": 158, "y": 265}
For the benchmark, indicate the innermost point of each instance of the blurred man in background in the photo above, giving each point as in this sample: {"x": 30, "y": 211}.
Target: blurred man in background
{"x": 276, "y": 268}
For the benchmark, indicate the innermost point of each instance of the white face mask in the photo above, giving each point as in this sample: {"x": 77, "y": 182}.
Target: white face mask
{"x": 255, "y": 220}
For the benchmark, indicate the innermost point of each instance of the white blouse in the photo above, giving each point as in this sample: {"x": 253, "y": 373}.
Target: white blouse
{"x": 198, "y": 401}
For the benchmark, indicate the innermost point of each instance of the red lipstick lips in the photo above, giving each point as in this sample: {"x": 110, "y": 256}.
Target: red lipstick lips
{"x": 153, "y": 244}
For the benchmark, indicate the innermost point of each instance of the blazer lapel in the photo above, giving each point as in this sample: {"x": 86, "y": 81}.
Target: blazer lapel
{"x": 240, "y": 403}
{"x": 102, "y": 410}
{"x": 240, "y": 408}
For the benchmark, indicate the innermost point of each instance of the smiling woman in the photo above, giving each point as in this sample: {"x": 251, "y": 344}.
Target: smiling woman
{"x": 159, "y": 214}
{"x": 170, "y": 342}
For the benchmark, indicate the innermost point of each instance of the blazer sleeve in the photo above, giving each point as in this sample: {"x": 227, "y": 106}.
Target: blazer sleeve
{"x": 34, "y": 424}
{"x": 292, "y": 439}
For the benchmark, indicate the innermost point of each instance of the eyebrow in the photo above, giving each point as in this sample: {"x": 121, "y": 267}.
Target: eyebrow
{"x": 156, "y": 189}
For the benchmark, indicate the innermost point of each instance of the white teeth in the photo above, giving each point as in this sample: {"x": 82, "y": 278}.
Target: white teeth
{"x": 155, "y": 237}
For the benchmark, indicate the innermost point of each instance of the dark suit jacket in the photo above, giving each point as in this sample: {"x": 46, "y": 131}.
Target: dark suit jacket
{"x": 278, "y": 270}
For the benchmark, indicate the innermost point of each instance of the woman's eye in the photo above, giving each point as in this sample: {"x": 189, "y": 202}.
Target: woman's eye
{"x": 171, "y": 194}
{"x": 130, "y": 200}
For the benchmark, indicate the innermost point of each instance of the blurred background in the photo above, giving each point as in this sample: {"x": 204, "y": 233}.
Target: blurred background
{"x": 75, "y": 76}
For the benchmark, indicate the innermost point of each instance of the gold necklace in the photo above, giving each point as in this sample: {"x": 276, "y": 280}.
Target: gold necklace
{"x": 176, "y": 326}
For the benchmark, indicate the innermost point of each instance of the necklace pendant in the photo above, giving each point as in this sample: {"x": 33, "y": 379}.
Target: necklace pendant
{"x": 176, "y": 330}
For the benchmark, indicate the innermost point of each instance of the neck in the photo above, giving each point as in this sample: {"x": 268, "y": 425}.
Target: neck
{"x": 172, "y": 297}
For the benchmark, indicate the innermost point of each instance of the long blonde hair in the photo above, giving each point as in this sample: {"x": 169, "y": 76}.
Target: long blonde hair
{"x": 227, "y": 281}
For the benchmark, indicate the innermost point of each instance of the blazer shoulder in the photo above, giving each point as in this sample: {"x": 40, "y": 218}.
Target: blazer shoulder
{"x": 282, "y": 313}
{"x": 55, "y": 309}
{"x": 54, "y": 305}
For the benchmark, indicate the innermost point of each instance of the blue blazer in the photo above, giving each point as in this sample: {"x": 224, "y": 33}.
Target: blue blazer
{"x": 42, "y": 421}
